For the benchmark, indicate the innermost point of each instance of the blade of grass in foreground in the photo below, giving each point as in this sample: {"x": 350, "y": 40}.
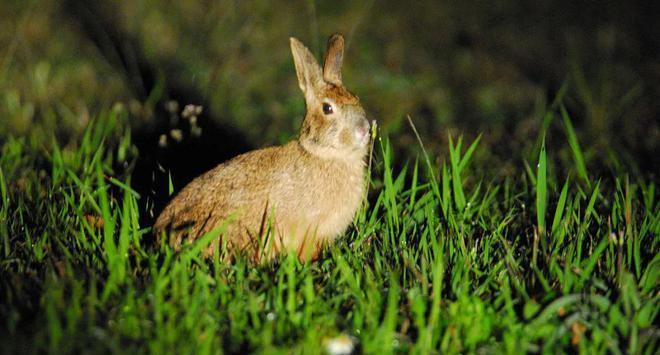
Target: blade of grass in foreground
{"x": 541, "y": 200}
{"x": 558, "y": 234}
{"x": 559, "y": 211}
{"x": 578, "y": 156}
{"x": 458, "y": 165}
{"x": 455, "y": 160}
{"x": 541, "y": 189}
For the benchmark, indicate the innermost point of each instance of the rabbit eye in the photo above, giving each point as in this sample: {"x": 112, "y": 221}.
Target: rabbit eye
{"x": 327, "y": 109}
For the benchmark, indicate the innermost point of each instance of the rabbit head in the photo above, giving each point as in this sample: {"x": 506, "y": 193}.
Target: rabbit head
{"x": 335, "y": 124}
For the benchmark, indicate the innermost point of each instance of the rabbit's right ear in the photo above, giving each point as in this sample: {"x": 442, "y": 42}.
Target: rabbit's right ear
{"x": 307, "y": 68}
{"x": 333, "y": 59}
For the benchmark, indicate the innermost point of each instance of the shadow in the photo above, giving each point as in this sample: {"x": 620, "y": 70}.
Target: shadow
{"x": 182, "y": 160}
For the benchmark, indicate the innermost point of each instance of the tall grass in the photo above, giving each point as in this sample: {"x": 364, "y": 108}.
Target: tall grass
{"x": 444, "y": 257}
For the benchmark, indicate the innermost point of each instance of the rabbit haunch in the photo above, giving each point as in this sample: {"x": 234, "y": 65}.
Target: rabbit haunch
{"x": 296, "y": 197}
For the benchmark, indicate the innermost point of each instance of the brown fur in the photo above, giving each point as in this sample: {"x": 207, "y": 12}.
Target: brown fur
{"x": 301, "y": 195}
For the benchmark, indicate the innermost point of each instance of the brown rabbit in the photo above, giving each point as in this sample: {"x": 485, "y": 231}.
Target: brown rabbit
{"x": 295, "y": 197}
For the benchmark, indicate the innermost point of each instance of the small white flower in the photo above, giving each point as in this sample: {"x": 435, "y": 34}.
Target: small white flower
{"x": 340, "y": 345}
{"x": 172, "y": 107}
{"x": 176, "y": 134}
{"x": 191, "y": 110}
{"x": 162, "y": 141}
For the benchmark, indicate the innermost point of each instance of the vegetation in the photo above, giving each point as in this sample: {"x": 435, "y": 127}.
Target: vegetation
{"x": 537, "y": 232}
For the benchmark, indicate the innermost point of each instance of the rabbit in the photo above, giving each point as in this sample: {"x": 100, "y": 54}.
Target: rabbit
{"x": 297, "y": 197}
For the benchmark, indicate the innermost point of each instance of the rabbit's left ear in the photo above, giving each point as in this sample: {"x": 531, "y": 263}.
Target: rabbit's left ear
{"x": 307, "y": 68}
{"x": 333, "y": 59}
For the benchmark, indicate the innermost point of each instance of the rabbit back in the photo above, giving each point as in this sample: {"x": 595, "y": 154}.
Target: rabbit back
{"x": 280, "y": 198}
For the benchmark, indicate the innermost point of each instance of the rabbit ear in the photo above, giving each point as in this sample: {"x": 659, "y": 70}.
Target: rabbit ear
{"x": 333, "y": 59}
{"x": 307, "y": 68}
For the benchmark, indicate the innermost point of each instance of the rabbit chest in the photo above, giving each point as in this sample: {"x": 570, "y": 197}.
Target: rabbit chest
{"x": 318, "y": 196}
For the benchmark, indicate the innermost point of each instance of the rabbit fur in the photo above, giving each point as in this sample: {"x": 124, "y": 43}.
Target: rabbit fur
{"x": 296, "y": 197}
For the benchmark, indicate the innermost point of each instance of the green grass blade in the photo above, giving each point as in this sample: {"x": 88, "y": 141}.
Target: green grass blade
{"x": 541, "y": 190}
{"x": 561, "y": 203}
{"x": 578, "y": 156}
{"x": 468, "y": 154}
{"x": 457, "y": 183}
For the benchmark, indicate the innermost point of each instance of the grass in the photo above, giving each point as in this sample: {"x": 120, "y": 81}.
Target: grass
{"x": 445, "y": 257}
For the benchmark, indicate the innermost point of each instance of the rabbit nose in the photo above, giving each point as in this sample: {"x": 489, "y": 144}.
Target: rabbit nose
{"x": 362, "y": 130}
